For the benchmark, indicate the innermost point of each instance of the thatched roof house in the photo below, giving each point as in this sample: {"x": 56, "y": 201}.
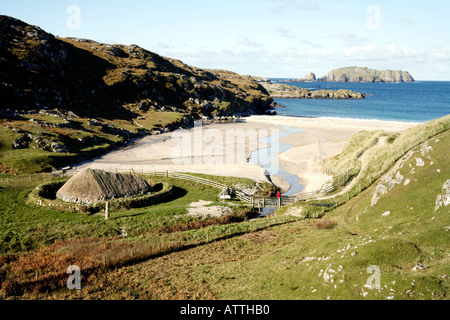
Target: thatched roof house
{"x": 92, "y": 186}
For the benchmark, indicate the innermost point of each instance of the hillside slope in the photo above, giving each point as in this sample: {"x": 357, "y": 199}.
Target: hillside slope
{"x": 64, "y": 99}
{"x": 39, "y": 70}
{"x": 395, "y": 249}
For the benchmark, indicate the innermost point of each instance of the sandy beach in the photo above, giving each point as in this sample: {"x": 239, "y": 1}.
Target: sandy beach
{"x": 224, "y": 148}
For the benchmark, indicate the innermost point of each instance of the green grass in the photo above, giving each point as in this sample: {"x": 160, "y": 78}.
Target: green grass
{"x": 25, "y": 226}
{"x": 348, "y": 159}
{"x": 296, "y": 260}
{"x": 36, "y": 159}
{"x": 379, "y": 158}
{"x": 299, "y": 260}
{"x": 394, "y": 243}
{"x": 153, "y": 119}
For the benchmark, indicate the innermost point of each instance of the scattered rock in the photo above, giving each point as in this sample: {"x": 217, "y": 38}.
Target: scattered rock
{"x": 419, "y": 162}
{"x": 381, "y": 189}
{"x": 418, "y": 267}
{"x": 58, "y": 148}
{"x": 22, "y": 142}
{"x": 386, "y": 214}
{"x": 306, "y": 259}
{"x": 444, "y": 198}
{"x": 398, "y": 178}
{"x": 425, "y": 148}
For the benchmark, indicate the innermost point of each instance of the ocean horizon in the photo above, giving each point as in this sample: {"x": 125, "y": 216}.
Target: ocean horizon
{"x": 415, "y": 102}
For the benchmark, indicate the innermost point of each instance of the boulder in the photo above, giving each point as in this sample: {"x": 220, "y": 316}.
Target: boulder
{"x": 419, "y": 162}
{"x": 381, "y": 189}
{"x": 58, "y": 148}
{"x": 398, "y": 178}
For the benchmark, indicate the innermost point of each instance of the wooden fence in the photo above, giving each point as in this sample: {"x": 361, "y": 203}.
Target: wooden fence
{"x": 259, "y": 202}
{"x": 237, "y": 193}
{"x": 319, "y": 193}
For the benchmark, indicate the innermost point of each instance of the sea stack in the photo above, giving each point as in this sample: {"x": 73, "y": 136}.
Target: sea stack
{"x": 310, "y": 77}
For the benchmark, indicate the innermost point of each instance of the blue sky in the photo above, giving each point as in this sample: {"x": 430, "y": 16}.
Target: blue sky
{"x": 270, "y": 38}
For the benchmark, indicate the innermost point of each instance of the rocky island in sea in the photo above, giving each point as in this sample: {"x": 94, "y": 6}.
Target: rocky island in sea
{"x": 309, "y": 77}
{"x": 363, "y": 74}
{"x": 282, "y": 90}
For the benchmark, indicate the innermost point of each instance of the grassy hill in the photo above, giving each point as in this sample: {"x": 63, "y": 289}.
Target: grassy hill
{"x": 168, "y": 254}
{"x": 312, "y": 259}
{"x": 64, "y": 99}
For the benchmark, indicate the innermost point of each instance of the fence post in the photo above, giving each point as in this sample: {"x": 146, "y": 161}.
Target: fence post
{"x": 107, "y": 210}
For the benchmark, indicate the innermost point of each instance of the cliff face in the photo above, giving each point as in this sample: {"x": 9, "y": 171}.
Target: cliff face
{"x": 39, "y": 70}
{"x": 357, "y": 74}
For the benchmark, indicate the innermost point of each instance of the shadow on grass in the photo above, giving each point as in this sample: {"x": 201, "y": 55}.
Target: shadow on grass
{"x": 177, "y": 193}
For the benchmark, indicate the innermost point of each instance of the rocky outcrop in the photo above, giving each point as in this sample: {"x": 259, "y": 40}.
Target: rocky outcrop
{"x": 310, "y": 77}
{"x": 358, "y": 74}
{"x": 29, "y": 140}
{"x": 281, "y": 90}
{"x": 443, "y": 199}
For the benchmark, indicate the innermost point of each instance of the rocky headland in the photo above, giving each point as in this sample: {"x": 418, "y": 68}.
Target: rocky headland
{"x": 282, "y": 90}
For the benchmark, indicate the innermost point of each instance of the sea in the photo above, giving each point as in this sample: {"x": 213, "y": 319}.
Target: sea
{"x": 418, "y": 101}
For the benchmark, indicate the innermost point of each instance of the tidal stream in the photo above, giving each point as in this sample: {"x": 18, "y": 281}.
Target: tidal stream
{"x": 268, "y": 159}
